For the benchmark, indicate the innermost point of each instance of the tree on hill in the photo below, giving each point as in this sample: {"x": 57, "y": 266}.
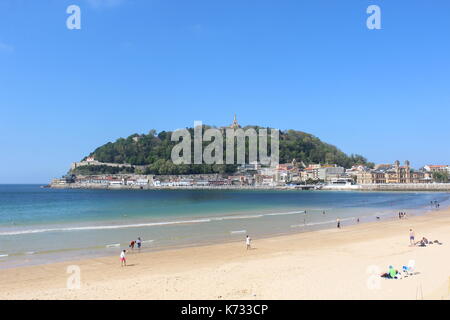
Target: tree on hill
{"x": 154, "y": 151}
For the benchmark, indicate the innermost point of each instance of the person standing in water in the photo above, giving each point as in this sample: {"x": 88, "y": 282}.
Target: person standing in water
{"x": 139, "y": 243}
{"x": 247, "y": 242}
{"x": 123, "y": 259}
{"x": 338, "y": 222}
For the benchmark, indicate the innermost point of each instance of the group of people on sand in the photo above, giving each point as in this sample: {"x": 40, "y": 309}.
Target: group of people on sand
{"x": 425, "y": 242}
{"x": 138, "y": 243}
{"x": 133, "y": 243}
{"x": 422, "y": 242}
{"x": 393, "y": 273}
{"x": 408, "y": 270}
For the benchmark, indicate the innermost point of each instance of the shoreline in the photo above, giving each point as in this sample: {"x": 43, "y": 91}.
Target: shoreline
{"x": 324, "y": 264}
{"x": 37, "y": 258}
{"x": 431, "y": 187}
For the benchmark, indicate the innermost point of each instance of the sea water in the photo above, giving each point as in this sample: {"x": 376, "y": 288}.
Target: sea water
{"x": 44, "y": 225}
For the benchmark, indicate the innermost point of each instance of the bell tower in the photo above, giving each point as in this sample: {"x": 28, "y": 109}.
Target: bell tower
{"x": 235, "y": 124}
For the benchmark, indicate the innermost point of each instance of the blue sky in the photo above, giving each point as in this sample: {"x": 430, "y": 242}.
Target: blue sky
{"x": 142, "y": 64}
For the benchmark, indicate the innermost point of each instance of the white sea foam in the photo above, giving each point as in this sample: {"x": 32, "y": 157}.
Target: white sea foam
{"x": 3, "y": 255}
{"x": 319, "y": 223}
{"x": 123, "y": 226}
{"x": 114, "y": 245}
{"x": 238, "y": 231}
{"x": 254, "y": 216}
{"x": 284, "y": 213}
{"x": 140, "y": 225}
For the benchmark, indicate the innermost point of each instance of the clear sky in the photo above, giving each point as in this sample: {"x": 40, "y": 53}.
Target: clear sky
{"x": 141, "y": 64}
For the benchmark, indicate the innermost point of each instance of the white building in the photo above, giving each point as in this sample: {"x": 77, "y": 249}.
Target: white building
{"x": 141, "y": 182}
{"x": 156, "y": 183}
{"x": 330, "y": 173}
{"x": 437, "y": 168}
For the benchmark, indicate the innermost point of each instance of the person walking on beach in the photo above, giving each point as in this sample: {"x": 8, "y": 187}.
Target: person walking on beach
{"x": 338, "y": 222}
{"x": 411, "y": 237}
{"x": 123, "y": 259}
{"x": 247, "y": 242}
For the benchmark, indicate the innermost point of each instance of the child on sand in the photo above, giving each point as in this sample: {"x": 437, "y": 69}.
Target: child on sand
{"x": 123, "y": 259}
{"x": 411, "y": 237}
{"x": 247, "y": 242}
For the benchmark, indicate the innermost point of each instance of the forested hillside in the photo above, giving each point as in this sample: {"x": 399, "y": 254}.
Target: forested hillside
{"x": 154, "y": 151}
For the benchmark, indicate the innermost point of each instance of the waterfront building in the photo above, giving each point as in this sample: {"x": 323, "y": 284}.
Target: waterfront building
{"x": 437, "y": 168}
{"x": 390, "y": 174}
{"x": 324, "y": 172}
{"x": 330, "y": 173}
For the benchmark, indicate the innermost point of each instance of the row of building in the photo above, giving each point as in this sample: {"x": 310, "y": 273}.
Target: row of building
{"x": 292, "y": 173}
{"x": 380, "y": 174}
{"x": 281, "y": 175}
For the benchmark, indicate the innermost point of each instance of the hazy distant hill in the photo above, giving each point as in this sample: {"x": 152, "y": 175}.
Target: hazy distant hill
{"x": 154, "y": 151}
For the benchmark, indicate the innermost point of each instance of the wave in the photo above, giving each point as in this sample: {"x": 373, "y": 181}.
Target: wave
{"x": 140, "y": 225}
{"x": 123, "y": 226}
{"x": 114, "y": 245}
{"x": 284, "y": 213}
{"x": 253, "y": 216}
{"x": 238, "y": 217}
{"x": 238, "y": 231}
{"x": 320, "y": 223}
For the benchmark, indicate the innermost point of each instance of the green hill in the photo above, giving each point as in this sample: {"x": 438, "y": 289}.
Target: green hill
{"x": 153, "y": 150}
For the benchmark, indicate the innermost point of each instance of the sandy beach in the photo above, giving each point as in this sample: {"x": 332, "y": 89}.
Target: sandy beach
{"x": 327, "y": 264}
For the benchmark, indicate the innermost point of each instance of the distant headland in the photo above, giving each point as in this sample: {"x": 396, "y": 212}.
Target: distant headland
{"x": 143, "y": 161}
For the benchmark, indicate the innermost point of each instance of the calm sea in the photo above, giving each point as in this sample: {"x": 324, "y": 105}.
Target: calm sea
{"x": 45, "y": 225}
